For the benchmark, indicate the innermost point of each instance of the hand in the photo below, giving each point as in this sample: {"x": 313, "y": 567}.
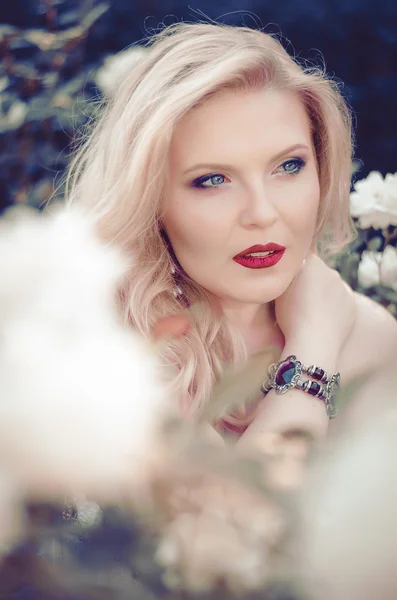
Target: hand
{"x": 317, "y": 303}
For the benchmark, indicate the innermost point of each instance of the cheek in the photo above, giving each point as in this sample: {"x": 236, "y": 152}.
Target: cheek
{"x": 189, "y": 236}
{"x": 194, "y": 244}
{"x": 303, "y": 216}
{"x": 195, "y": 227}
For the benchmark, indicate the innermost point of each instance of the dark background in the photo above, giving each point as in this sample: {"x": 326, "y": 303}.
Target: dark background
{"x": 357, "y": 40}
{"x": 46, "y": 83}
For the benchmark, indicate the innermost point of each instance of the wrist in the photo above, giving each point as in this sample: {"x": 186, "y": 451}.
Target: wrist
{"x": 311, "y": 351}
{"x": 306, "y": 373}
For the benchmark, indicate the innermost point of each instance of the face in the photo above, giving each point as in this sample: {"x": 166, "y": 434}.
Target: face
{"x": 242, "y": 173}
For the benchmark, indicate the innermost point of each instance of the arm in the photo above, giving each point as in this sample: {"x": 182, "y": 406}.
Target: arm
{"x": 316, "y": 314}
{"x": 370, "y": 349}
{"x": 295, "y": 408}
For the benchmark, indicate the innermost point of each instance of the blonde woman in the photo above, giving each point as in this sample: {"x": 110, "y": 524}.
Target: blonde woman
{"x": 223, "y": 167}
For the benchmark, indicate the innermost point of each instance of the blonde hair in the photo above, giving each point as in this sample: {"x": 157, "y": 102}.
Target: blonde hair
{"x": 118, "y": 176}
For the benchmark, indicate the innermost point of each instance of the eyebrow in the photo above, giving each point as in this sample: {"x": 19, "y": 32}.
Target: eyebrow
{"x": 224, "y": 166}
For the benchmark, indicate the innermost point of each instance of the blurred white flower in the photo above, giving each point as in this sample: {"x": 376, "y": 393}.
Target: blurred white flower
{"x": 4, "y": 82}
{"x": 378, "y": 268}
{"x": 117, "y": 66}
{"x": 388, "y": 267}
{"x": 15, "y": 115}
{"x": 391, "y": 183}
{"x": 368, "y": 270}
{"x": 81, "y": 401}
{"x": 374, "y": 201}
{"x": 346, "y": 548}
{"x": 89, "y": 514}
{"x": 221, "y": 533}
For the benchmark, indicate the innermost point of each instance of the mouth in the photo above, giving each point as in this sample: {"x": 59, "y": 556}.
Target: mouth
{"x": 259, "y": 256}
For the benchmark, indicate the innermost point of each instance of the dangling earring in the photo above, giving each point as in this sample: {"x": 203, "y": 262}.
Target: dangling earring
{"x": 176, "y": 292}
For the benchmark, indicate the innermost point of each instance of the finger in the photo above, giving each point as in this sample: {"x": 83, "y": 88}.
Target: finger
{"x": 313, "y": 248}
{"x": 172, "y": 326}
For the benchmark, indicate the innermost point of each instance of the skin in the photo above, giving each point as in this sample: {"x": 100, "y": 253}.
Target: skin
{"x": 258, "y": 200}
{"x": 265, "y": 193}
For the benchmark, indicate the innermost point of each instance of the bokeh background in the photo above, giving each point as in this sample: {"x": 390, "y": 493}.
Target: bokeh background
{"x": 53, "y": 55}
{"x": 51, "y": 52}
{"x": 59, "y": 56}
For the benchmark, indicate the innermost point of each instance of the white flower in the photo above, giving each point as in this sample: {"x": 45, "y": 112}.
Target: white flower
{"x": 89, "y": 514}
{"x": 117, "y": 66}
{"x": 221, "y": 532}
{"x": 378, "y": 268}
{"x": 15, "y": 116}
{"x": 346, "y": 548}
{"x": 390, "y": 197}
{"x": 368, "y": 269}
{"x": 374, "y": 201}
{"x": 81, "y": 401}
{"x": 388, "y": 267}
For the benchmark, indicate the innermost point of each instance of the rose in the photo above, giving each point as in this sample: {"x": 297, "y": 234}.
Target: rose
{"x": 368, "y": 270}
{"x": 388, "y": 267}
{"x": 374, "y": 201}
{"x": 115, "y": 67}
{"x": 377, "y": 268}
{"x": 81, "y": 394}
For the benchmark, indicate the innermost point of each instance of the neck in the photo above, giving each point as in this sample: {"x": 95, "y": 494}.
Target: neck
{"x": 248, "y": 316}
{"x": 256, "y": 323}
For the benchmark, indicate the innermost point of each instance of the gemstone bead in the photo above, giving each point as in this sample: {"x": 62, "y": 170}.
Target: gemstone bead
{"x": 318, "y": 374}
{"x": 285, "y": 373}
{"x": 314, "y": 388}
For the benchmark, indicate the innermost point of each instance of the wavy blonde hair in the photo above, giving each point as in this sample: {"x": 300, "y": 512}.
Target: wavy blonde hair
{"x": 118, "y": 176}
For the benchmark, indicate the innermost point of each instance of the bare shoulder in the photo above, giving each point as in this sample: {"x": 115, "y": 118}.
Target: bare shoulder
{"x": 373, "y": 340}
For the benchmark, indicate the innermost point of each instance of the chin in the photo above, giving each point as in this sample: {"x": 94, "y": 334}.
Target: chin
{"x": 268, "y": 293}
{"x": 258, "y": 294}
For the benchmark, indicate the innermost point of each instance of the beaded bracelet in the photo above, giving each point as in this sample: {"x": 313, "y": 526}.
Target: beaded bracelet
{"x": 287, "y": 373}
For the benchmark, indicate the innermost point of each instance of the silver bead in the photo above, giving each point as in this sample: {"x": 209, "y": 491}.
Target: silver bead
{"x": 266, "y": 386}
{"x": 177, "y": 291}
{"x": 324, "y": 378}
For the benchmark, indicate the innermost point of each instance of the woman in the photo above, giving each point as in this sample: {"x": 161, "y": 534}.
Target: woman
{"x": 223, "y": 167}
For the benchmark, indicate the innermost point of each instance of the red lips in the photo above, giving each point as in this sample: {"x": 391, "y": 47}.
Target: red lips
{"x": 260, "y": 262}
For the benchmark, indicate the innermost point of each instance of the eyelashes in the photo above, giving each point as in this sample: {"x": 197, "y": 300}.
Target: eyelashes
{"x": 215, "y": 180}
{"x": 297, "y": 165}
{"x": 289, "y": 168}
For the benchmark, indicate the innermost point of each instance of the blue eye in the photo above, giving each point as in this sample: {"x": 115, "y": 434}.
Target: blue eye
{"x": 209, "y": 181}
{"x": 293, "y": 166}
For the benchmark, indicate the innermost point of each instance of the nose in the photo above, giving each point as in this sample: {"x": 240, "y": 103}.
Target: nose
{"x": 258, "y": 210}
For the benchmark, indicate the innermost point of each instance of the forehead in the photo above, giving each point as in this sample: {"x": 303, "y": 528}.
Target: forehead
{"x": 234, "y": 121}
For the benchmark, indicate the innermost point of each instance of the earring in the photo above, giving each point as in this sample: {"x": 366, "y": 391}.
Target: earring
{"x": 176, "y": 292}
